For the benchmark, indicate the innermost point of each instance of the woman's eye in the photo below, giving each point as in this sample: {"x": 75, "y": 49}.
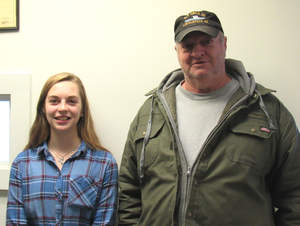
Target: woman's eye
{"x": 53, "y": 101}
{"x": 72, "y": 101}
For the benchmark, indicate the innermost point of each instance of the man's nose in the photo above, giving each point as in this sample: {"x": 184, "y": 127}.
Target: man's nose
{"x": 198, "y": 51}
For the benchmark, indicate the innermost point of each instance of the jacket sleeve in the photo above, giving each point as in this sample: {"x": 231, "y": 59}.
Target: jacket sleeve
{"x": 129, "y": 186}
{"x": 286, "y": 186}
{"x": 15, "y": 213}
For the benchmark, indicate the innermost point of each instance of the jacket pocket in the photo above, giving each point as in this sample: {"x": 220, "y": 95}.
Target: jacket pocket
{"x": 82, "y": 192}
{"x": 250, "y": 144}
{"x": 254, "y": 127}
{"x": 152, "y": 147}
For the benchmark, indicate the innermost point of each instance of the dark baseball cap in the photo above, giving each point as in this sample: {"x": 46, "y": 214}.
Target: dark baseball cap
{"x": 204, "y": 21}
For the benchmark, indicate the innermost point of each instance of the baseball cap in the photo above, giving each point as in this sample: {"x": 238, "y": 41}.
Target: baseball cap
{"x": 204, "y": 21}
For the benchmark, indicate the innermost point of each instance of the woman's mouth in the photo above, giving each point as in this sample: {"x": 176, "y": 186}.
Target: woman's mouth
{"x": 62, "y": 118}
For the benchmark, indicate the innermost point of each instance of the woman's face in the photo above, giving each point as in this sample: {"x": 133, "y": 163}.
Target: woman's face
{"x": 63, "y": 107}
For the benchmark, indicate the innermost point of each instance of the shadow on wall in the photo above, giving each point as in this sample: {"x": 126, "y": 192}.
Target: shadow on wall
{"x": 3, "y": 193}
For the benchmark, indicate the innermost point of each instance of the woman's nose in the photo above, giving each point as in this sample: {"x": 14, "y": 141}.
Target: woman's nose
{"x": 62, "y": 106}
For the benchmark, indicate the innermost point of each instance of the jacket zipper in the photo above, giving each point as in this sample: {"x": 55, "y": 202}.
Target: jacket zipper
{"x": 185, "y": 178}
{"x": 184, "y": 204}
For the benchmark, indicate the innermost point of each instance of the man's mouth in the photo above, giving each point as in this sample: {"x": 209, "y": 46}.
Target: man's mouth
{"x": 199, "y": 62}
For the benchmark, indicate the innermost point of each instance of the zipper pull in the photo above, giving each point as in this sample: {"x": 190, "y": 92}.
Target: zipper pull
{"x": 188, "y": 173}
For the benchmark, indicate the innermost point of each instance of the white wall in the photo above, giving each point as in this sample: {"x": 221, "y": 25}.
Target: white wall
{"x": 123, "y": 48}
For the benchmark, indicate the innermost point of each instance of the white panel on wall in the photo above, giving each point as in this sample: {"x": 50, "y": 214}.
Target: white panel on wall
{"x": 18, "y": 88}
{"x": 4, "y": 128}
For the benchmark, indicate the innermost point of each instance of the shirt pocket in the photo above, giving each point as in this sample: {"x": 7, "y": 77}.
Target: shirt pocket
{"x": 251, "y": 144}
{"x": 82, "y": 192}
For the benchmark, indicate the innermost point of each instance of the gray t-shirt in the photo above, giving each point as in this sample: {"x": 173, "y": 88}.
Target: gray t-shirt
{"x": 198, "y": 114}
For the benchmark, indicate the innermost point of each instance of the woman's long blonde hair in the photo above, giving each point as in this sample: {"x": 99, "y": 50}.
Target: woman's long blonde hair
{"x": 40, "y": 130}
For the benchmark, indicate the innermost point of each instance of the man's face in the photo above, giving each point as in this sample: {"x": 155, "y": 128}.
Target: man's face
{"x": 201, "y": 57}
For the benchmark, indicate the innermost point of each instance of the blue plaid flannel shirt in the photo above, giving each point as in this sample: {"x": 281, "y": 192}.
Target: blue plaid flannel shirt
{"x": 84, "y": 192}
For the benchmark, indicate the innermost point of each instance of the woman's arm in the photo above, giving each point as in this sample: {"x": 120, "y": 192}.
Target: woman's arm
{"x": 15, "y": 213}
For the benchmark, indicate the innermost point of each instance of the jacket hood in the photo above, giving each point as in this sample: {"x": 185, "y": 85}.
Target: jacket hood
{"x": 236, "y": 70}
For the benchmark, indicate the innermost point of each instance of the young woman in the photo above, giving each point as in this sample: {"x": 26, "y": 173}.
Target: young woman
{"x": 64, "y": 176}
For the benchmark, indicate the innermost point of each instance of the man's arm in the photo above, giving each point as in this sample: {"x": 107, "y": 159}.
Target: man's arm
{"x": 286, "y": 186}
{"x": 129, "y": 192}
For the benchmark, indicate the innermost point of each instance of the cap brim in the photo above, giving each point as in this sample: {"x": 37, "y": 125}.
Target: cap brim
{"x": 211, "y": 31}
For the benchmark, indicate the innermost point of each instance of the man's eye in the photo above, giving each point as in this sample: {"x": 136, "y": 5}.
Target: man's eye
{"x": 188, "y": 47}
{"x": 206, "y": 42}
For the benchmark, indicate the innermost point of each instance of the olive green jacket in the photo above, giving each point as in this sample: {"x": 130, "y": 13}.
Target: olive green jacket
{"x": 247, "y": 173}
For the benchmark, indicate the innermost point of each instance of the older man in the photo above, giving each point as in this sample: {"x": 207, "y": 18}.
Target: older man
{"x": 210, "y": 146}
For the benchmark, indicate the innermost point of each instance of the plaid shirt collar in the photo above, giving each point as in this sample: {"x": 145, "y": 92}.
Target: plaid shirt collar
{"x": 43, "y": 149}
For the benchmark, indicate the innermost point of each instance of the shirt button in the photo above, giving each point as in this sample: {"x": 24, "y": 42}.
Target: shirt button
{"x": 253, "y": 130}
